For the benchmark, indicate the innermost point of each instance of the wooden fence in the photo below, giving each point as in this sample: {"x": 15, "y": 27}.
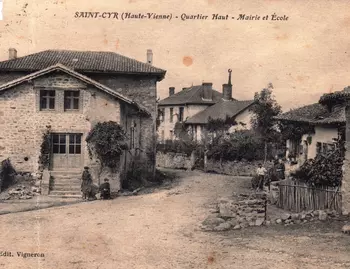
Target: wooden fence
{"x": 296, "y": 196}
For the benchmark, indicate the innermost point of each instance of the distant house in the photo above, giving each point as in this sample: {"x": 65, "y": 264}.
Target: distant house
{"x": 195, "y": 105}
{"x": 323, "y": 123}
{"x": 71, "y": 91}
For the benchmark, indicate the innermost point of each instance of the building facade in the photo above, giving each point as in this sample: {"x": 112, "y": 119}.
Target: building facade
{"x": 194, "y": 106}
{"x": 69, "y": 92}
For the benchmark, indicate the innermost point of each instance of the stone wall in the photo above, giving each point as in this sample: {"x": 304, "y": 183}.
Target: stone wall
{"x": 235, "y": 168}
{"x": 345, "y": 188}
{"x": 182, "y": 161}
{"x": 143, "y": 90}
{"x": 22, "y": 124}
{"x": 174, "y": 160}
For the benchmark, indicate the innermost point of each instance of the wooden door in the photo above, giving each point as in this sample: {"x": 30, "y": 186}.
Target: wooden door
{"x": 66, "y": 151}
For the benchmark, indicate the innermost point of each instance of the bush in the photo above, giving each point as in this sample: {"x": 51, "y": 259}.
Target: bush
{"x": 108, "y": 141}
{"x": 241, "y": 145}
{"x": 177, "y": 146}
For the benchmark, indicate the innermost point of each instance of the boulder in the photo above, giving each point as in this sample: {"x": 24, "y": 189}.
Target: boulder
{"x": 295, "y": 216}
{"x": 228, "y": 209}
{"x": 278, "y": 221}
{"x": 237, "y": 227}
{"x": 212, "y": 222}
{"x": 223, "y": 227}
{"x": 346, "y": 229}
{"x": 286, "y": 217}
{"x": 259, "y": 222}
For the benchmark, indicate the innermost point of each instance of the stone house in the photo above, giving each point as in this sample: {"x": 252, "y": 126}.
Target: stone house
{"x": 69, "y": 92}
{"x": 194, "y": 105}
{"x": 330, "y": 121}
{"x": 322, "y": 127}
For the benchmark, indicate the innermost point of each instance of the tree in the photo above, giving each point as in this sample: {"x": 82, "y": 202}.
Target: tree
{"x": 265, "y": 109}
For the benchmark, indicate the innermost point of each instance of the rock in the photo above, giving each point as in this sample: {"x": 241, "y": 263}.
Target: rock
{"x": 37, "y": 183}
{"x": 287, "y": 221}
{"x": 251, "y": 223}
{"x": 286, "y": 217}
{"x": 259, "y": 222}
{"x": 228, "y": 209}
{"x": 233, "y": 222}
{"x": 241, "y": 219}
{"x": 295, "y": 216}
{"x": 6, "y": 197}
{"x": 237, "y": 227}
{"x": 268, "y": 223}
{"x": 303, "y": 216}
{"x": 244, "y": 224}
{"x": 304, "y": 221}
{"x": 346, "y": 229}
{"x": 278, "y": 221}
{"x": 212, "y": 222}
{"x": 298, "y": 221}
{"x": 316, "y": 213}
{"x": 25, "y": 197}
{"x": 223, "y": 227}
{"x": 214, "y": 210}
{"x": 322, "y": 215}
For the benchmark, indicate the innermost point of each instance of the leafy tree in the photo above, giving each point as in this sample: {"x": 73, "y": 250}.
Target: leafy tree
{"x": 265, "y": 109}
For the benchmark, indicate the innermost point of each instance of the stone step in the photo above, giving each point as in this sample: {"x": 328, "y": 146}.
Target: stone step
{"x": 65, "y": 193}
{"x": 66, "y": 187}
{"x": 66, "y": 196}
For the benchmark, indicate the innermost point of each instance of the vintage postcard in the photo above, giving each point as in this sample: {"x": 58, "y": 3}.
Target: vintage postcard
{"x": 174, "y": 134}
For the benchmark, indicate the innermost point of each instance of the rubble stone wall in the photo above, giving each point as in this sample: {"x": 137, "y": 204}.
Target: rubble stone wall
{"x": 22, "y": 124}
{"x": 182, "y": 161}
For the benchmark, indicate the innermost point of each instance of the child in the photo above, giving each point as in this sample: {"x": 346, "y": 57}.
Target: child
{"x": 105, "y": 190}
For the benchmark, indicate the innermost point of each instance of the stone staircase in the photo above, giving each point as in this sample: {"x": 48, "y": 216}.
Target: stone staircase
{"x": 66, "y": 184}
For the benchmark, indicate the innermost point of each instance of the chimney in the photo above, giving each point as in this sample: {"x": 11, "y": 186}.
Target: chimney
{"x": 171, "y": 91}
{"x": 207, "y": 91}
{"x": 149, "y": 57}
{"x": 227, "y": 88}
{"x": 12, "y": 53}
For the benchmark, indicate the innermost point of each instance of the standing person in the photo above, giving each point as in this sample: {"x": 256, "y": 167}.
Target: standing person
{"x": 261, "y": 172}
{"x": 86, "y": 183}
{"x": 280, "y": 169}
{"x": 105, "y": 190}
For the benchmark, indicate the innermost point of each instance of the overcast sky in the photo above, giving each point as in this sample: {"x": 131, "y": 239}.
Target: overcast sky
{"x": 303, "y": 57}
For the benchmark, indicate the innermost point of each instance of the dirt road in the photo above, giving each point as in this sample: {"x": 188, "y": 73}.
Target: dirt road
{"x": 160, "y": 230}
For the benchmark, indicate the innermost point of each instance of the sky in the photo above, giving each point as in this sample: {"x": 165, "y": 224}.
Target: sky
{"x": 303, "y": 57}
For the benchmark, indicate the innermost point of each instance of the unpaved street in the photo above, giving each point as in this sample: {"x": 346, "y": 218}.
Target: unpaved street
{"x": 160, "y": 230}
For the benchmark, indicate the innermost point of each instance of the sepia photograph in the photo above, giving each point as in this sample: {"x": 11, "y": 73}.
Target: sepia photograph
{"x": 174, "y": 134}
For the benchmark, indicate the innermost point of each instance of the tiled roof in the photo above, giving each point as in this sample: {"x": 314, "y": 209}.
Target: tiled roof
{"x": 314, "y": 114}
{"x": 191, "y": 95}
{"x": 62, "y": 68}
{"x": 81, "y": 61}
{"x": 334, "y": 97}
{"x": 220, "y": 110}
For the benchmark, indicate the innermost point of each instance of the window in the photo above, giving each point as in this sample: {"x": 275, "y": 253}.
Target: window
{"x": 162, "y": 114}
{"x": 47, "y": 99}
{"x": 171, "y": 114}
{"x": 59, "y": 143}
{"x": 162, "y": 136}
{"x": 325, "y": 148}
{"x": 74, "y": 144}
{"x": 181, "y": 114}
{"x": 132, "y": 137}
{"x": 71, "y": 100}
